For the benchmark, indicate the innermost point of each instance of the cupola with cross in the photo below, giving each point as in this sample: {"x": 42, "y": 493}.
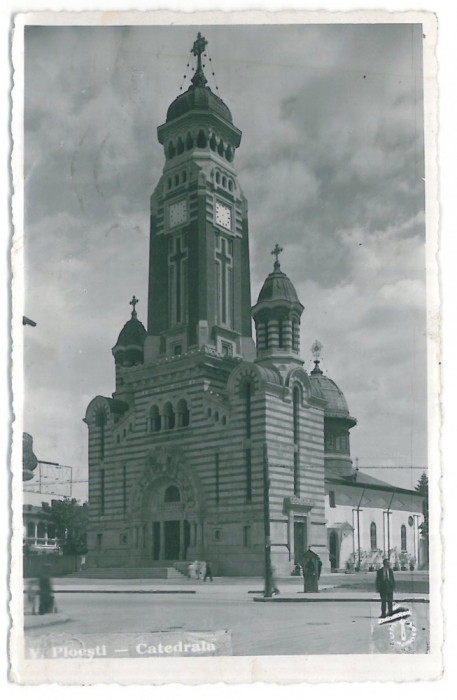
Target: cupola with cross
{"x": 199, "y": 284}
{"x": 277, "y": 316}
{"x": 129, "y": 347}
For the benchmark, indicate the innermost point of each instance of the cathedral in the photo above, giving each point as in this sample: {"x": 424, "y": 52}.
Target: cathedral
{"x": 214, "y": 444}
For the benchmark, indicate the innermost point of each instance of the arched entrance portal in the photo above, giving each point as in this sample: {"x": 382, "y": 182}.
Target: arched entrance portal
{"x": 165, "y": 505}
{"x": 334, "y": 550}
{"x": 170, "y": 524}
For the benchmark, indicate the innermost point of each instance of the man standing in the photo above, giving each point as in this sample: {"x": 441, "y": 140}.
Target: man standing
{"x": 385, "y": 585}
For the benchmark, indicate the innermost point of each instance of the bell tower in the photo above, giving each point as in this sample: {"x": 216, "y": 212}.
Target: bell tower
{"x": 199, "y": 284}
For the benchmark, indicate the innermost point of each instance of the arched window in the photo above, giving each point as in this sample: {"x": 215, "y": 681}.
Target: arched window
{"x": 373, "y": 538}
{"x": 296, "y": 422}
{"x": 224, "y": 181}
{"x": 229, "y": 154}
{"x": 201, "y": 139}
{"x": 213, "y": 142}
{"x": 155, "y": 420}
{"x": 403, "y": 538}
{"x": 246, "y": 393}
{"x": 230, "y": 185}
{"x": 218, "y": 176}
{"x": 177, "y": 179}
{"x": 100, "y": 422}
{"x": 189, "y": 141}
{"x": 172, "y": 494}
{"x": 220, "y": 148}
{"x": 171, "y": 150}
{"x": 180, "y": 147}
{"x": 168, "y": 417}
{"x": 182, "y": 414}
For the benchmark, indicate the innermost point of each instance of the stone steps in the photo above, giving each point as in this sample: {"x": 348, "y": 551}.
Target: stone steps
{"x": 151, "y": 572}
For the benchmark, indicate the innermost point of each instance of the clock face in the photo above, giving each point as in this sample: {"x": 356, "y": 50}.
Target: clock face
{"x": 177, "y": 213}
{"x": 223, "y": 215}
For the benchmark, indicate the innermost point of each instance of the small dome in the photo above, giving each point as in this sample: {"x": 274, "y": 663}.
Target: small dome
{"x": 133, "y": 334}
{"x": 129, "y": 349}
{"x": 198, "y": 98}
{"x": 336, "y": 403}
{"x": 278, "y": 287}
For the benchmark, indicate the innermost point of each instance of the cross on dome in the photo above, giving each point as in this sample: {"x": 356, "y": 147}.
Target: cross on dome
{"x": 276, "y": 251}
{"x": 198, "y": 48}
{"x": 133, "y": 303}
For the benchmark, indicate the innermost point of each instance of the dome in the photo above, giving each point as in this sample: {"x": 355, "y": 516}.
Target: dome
{"x": 278, "y": 287}
{"x": 133, "y": 334}
{"x": 198, "y": 98}
{"x": 336, "y": 403}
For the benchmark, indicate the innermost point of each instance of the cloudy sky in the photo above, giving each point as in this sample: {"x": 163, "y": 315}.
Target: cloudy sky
{"x": 331, "y": 161}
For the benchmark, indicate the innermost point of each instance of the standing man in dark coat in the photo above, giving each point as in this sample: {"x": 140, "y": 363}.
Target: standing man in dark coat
{"x": 385, "y": 585}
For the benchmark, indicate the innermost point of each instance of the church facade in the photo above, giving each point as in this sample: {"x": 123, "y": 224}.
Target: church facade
{"x": 209, "y": 433}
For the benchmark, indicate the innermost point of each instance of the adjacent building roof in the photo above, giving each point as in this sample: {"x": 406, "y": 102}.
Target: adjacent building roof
{"x": 362, "y": 480}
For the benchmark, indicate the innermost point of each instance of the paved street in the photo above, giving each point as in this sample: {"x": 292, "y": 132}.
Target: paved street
{"x": 337, "y": 627}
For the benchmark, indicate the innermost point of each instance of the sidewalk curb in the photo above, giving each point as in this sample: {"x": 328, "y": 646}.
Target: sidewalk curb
{"x": 333, "y": 599}
{"x": 32, "y": 622}
{"x": 116, "y": 590}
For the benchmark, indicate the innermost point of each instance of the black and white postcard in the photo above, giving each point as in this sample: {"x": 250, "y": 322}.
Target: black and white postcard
{"x": 225, "y": 348}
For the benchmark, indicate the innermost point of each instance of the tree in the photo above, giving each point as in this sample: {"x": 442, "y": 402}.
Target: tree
{"x": 422, "y": 488}
{"x": 70, "y": 520}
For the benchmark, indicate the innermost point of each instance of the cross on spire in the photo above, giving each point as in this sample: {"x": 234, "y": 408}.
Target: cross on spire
{"x": 276, "y": 251}
{"x": 198, "y": 48}
{"x": 133, "y": 303}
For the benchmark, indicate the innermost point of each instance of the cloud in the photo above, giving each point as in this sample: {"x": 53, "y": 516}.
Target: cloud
{"x": 331, "y": 161}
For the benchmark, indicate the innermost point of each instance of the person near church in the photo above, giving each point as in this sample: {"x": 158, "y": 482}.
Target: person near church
{"x": 273, "y": 583}
{"x": 46, "y": 594}
{"x": 192, "y": 570}
{"x": 208, "y": 572}
{"x": 385, "y": 586}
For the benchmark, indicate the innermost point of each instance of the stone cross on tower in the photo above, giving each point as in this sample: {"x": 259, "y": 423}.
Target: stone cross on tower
{"x": 133, "y": 303}
{"x": 198, "y": 48}
{"x": 276, "y": 251}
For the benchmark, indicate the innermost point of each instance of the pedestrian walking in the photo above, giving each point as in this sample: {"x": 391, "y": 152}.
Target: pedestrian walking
{"x": 192, "y": 570}
{"x": 274, "y": 586}
{"x": 208, "y": 572}
{"x": 385, "y": 586}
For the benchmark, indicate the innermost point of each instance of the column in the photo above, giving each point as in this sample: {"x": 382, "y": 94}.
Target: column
{"x": 287, "y": 334}
{"x": 273, "y": 334}
{"x": 162, "y": 540}
{"x": 181, "y": 539}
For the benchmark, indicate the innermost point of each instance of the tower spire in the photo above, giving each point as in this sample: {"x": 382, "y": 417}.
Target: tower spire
{"x": 198, "y": 48}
